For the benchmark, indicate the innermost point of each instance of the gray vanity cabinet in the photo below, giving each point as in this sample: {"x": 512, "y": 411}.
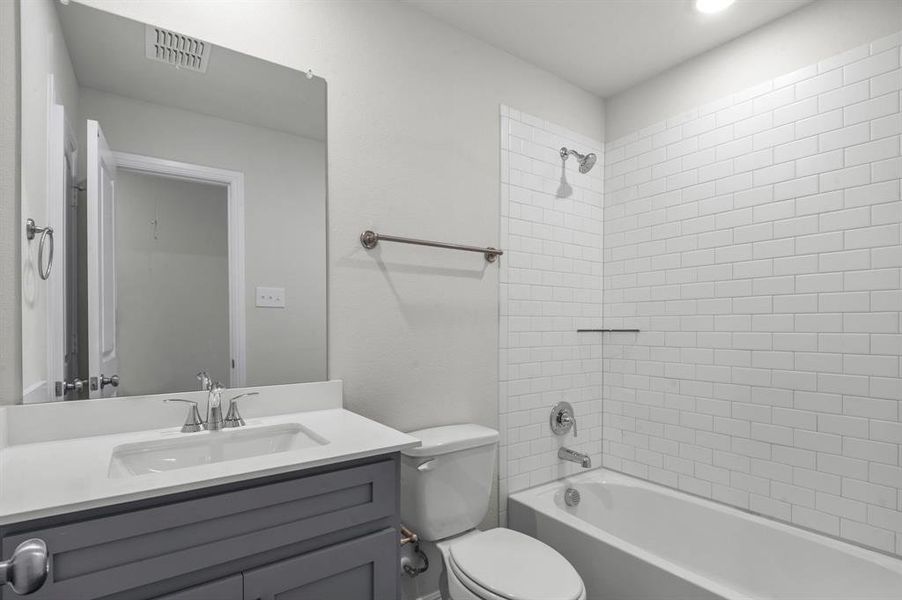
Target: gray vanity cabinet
{"x": 230, "y": 588}
{"x": 355, "y": 570}
{"x": 325, "y": 533}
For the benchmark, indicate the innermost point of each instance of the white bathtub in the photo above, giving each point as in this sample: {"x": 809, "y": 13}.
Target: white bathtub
{"x": 633, "y": 540}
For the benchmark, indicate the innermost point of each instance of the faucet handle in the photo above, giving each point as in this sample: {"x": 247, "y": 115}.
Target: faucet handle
{"x": 193, "y": 422}
{"x": 233, "y": 418}
{"x": 568, "y": 419}
{"x": 562, "y": 419}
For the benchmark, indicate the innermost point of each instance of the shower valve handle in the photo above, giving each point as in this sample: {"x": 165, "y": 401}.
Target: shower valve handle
{"x": 567, "y": 420}
{"x": 563, "y": 419}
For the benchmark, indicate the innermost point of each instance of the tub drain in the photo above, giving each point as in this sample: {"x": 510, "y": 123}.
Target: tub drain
{"x": 571, "y": 497}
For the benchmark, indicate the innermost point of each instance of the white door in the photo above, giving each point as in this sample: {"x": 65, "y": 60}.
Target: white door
{"x": 60, "y": 157}
{"x": 103, "y": 356}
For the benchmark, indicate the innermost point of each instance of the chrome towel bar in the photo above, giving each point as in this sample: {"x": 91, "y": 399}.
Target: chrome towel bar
{"x": 607, "y": 331}
{"x": 369, "y": 239}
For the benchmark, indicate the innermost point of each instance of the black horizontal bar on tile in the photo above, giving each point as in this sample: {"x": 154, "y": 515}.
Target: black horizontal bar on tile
{"x": 607, "y": 331}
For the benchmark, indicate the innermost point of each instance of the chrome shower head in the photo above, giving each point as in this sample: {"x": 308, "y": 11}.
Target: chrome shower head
{"x": 586, "y": 161}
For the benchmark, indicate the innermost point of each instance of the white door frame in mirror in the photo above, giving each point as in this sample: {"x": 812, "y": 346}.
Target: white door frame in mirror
{"x": 62, "y": 148}
{"x": 234, "y": 182}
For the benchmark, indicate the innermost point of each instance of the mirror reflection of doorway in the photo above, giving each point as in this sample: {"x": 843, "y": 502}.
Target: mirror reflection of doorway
{"x": 172, "y": 280}
{"x": 165, "y": 272}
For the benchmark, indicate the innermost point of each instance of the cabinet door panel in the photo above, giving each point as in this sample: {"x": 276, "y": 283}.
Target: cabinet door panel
{"x": 111, "y": 555}
{"x": 361, "y": 569}
{"x": 230, "y": 588}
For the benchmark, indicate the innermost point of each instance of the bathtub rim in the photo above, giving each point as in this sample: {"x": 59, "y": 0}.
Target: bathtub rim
{"x": 538, "y": 498}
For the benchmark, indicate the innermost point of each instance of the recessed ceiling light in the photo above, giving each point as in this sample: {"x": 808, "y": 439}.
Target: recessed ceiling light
{"x": 712, "y": 6}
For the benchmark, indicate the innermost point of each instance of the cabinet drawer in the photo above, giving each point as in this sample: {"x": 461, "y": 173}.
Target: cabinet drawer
{"x": 107, "y": 555}
{"x": 362, "y": 569}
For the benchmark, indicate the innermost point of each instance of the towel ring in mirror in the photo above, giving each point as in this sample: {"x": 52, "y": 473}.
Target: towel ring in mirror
{"x": 31, "y": 229}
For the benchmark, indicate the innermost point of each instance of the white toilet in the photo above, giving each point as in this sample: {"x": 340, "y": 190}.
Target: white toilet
{"x": 445, "y": 488}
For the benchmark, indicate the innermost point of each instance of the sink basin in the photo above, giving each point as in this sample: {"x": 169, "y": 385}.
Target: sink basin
{"x": 207, "y": 447}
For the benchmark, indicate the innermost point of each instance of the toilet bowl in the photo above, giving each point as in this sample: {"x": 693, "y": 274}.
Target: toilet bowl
{"x": 446, "y": 484}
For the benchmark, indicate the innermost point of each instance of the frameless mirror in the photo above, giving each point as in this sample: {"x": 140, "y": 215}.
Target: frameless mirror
{"x": 185, "y": 186}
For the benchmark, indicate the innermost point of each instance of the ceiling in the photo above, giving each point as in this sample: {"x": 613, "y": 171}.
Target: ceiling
{"x": 108, "y": 54}
{"x": 603, "y": 46}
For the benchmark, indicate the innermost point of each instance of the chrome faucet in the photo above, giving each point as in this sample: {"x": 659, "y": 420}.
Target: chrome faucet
{"x": 574, "y": 456}
{"x": 215, "y": 421}
{"x": 205, "y": 382}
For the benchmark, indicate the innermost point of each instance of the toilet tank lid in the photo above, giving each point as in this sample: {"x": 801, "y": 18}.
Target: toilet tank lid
{"x": 450, "y": 438}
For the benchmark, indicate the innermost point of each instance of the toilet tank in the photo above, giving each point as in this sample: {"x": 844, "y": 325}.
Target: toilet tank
{"x": 446, "y": 482}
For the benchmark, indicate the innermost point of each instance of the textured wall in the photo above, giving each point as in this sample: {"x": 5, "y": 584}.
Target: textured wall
{"x": 551, "y": 224}
{"x": 755, "y": 240}
{"x": 10, "y": 260}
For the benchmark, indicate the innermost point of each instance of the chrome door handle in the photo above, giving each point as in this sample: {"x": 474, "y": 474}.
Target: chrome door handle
{"x": 98, "y": 383}
{"x": 27, "y": 569}
{"x": 63, "y": 387}
{"x": 112, "y": 380}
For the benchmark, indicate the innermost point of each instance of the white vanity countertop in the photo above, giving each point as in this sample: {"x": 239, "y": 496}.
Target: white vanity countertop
{"x": 55, "y": 476}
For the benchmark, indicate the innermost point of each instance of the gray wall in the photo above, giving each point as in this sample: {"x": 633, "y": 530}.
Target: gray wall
{"x": 172, "y": 282}
{"x": 10, "y": 265}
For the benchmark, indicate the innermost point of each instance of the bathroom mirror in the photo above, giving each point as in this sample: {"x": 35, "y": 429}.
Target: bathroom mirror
{"x": 185, "y": 185}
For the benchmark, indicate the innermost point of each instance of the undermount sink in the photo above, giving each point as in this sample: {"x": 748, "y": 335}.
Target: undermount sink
{"x": 196, "y": 449}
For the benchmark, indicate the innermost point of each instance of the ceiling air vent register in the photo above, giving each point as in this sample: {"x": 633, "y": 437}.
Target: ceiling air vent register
{"x": 177, "y": 49}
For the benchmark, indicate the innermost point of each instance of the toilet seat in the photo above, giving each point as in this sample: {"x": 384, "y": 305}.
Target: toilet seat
{"x": 502, "y": 564}
{"x": 472, "y": 586}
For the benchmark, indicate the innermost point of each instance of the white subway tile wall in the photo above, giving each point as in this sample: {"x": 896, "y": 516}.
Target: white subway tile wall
{"x": 551, "y": 278}
{"x": 755, "y": 241}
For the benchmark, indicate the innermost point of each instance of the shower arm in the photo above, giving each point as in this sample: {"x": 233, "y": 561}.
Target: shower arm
{"x": 586, "y": 161}
{"x": 565, "y": 153}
